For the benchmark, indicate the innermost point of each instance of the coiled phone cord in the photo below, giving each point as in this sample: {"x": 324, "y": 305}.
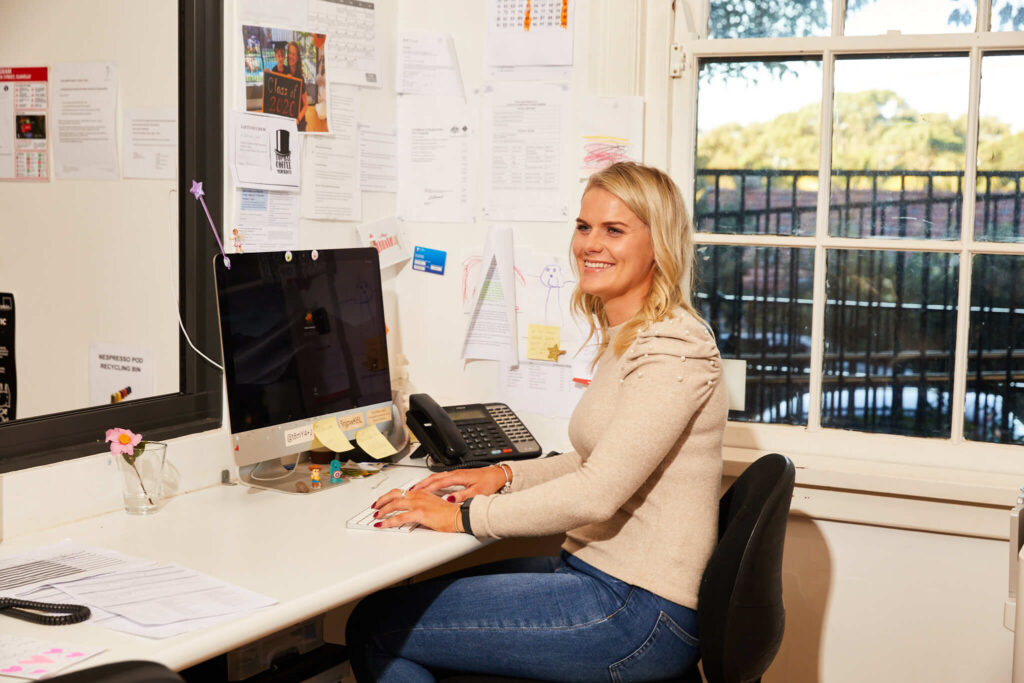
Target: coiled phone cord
{"x": 65, "y": 614}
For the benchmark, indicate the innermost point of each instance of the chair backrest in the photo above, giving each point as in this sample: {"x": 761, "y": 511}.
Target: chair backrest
{"x": 740, "y": 608}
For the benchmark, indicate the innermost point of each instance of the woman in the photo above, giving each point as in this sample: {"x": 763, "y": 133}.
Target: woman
{"x": 295, "y": 69}
{"x": 637, "y": 499}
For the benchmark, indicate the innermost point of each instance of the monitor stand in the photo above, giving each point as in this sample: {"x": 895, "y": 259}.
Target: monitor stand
{"x": 277, "y": 474}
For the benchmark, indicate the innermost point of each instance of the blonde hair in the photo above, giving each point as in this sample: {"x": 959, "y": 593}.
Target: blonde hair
{"x": 655, "y": 199}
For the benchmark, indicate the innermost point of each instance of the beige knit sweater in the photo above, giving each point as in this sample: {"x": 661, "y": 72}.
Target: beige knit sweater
{"x": 638, "y": 497}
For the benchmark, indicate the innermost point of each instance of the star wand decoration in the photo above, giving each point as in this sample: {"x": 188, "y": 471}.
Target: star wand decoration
{"x": 197, "y": 190}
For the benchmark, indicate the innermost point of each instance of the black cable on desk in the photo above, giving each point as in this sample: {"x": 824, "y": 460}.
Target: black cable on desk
{"x": 29, "y": 610}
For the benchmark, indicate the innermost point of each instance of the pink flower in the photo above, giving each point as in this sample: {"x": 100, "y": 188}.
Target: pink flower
{"x": 123, "y": 441}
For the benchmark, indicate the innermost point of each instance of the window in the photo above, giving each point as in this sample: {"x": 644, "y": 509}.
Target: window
{"x": 856, "y": 189}
{"x": 197, "y": 405}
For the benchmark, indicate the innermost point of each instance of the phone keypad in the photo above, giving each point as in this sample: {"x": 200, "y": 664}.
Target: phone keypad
{"x": 505, "y": 436}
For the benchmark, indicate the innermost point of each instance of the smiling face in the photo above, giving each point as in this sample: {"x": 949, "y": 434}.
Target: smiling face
{"x": 614, "y": 254}
{"x": 293, "y": 57}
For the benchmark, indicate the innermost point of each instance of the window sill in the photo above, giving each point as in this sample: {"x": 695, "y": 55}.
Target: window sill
{"x": 893, "y": 494}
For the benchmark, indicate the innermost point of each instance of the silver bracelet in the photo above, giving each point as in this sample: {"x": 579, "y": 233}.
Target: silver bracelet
{"x": 505, "y": 469}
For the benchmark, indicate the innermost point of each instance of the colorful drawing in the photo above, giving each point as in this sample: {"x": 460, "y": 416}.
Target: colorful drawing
{"x": 601, "y": 151}
{"x": 553, "y": 279}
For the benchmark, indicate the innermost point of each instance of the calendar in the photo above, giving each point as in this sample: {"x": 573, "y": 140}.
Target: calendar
{"x": 352, "y": 48}
{"x": 530, "y": 33}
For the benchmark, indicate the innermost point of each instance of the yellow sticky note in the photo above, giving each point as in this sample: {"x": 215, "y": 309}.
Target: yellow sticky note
{"x": 327, "y": 433}
{"x": 374, "y": 443}
{"x": 543, "y": 342}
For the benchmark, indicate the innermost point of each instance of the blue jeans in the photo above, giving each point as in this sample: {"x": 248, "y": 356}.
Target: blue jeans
{"x": 550, "y": 618}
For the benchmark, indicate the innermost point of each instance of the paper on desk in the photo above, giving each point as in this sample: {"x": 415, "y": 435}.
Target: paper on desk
{"x": 60, "y": 562}
{"x": 33, "y": 659}
{"x": 326, "y": 432}
{"x": 491, "y": 330}
{"x": 163, "y": 594}
{"x": 374, "y": 443}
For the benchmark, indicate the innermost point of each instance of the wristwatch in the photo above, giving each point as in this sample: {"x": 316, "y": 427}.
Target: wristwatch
{"x": 464, "y": 511}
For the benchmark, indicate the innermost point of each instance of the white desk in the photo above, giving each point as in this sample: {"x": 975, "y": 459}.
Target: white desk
{"x": 293, "y": 548}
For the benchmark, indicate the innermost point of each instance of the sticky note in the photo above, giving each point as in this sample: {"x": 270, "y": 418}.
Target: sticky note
{"x": 382, "y": 414}
{"x": 429, "y": 260}
{"x": 374, "y": 443}
{"x": 542, "y": 342}
{"x": 326, "y": 432}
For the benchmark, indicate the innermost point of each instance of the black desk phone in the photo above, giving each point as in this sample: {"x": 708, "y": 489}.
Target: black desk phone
{"x": 471, "y": 435}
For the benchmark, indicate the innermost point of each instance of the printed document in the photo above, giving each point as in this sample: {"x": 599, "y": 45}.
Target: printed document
{"x": 434, "y": 135}
{"x": 524, "y": 138}
{"x": 491, "y": 333}
{"x": 85, "y": 102}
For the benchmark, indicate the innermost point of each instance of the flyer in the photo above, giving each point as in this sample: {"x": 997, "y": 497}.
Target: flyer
{"x": 24, "y": 144}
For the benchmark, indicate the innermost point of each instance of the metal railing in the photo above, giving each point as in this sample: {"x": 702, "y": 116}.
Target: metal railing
{"x": 891, "y": 315}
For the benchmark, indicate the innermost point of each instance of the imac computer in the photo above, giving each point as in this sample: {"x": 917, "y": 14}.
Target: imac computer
{"x": 303, "y": 339}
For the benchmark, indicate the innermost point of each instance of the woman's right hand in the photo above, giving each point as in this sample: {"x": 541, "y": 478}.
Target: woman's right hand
{"x": 477, "y": 481}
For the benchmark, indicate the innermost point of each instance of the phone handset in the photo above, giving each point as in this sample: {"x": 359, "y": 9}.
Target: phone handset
{"x": 437, "y": 432}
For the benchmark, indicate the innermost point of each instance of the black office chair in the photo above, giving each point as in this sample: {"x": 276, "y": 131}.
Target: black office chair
{"x": 137, "y": 671}
{"x": 739, "y": 604}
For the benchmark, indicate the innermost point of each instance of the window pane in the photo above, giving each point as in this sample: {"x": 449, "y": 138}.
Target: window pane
{"x": 1008, "y": 15}
{"x": 898, "y": 147}
{"x": 998, "y": 216}
{"x": 758, "y": 126}
{"x": 890, "y": 332}
{"x": 994, "y": 405}
{"x": 769, "y": 18}
{"x": 875, "y": 17}
{"x": 758, "y": 301}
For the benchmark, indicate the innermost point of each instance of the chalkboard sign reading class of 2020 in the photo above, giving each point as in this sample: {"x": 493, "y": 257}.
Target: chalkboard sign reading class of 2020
{"x": 281, "y": 94}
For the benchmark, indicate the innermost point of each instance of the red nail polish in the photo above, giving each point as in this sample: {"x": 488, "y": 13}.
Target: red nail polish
{"x": 375, "y": 515}
{"x": 377, "y": 524}
{"x": 450, "y": 499}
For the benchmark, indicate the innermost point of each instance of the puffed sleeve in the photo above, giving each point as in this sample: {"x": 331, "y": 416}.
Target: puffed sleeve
{"x": 665, "y": 378}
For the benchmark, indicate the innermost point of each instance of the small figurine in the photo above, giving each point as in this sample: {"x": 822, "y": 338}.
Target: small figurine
{"x": 336, "y": 474}
{"x": 314, "y": 476}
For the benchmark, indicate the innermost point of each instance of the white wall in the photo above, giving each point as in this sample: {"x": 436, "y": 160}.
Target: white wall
{"x": 91, "y": 260}
{"x": 864, "y": 602}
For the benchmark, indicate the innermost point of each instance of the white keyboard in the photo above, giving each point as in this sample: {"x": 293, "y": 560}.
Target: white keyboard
{"x": 365, "y": 519}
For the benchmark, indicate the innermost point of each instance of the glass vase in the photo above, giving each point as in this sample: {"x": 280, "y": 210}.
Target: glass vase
{"x": 142, "y": 480}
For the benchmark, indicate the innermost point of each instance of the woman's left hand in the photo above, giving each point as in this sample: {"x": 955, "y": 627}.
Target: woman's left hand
{"x": 415, "y": 506}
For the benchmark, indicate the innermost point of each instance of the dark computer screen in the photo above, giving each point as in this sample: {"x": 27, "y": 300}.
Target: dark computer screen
{"x": 303, "y": 337}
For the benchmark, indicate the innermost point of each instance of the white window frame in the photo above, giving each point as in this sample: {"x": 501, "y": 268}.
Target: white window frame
{"x": 872, "y": 466}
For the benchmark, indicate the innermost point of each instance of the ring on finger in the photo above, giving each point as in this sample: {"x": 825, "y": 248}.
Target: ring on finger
{"x": 404, "y": 492}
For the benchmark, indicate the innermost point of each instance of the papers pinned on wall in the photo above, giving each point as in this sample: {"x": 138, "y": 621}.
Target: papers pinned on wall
{"x": 330, "y": 183}
{"x": 491, "y": 333}
{"x": 428, "y": 65}
{"x": 539, "y": 387}
{"x": 353, "y": 51}
{"x": 530, "y": 32}
{"x": 377, "y": 159}
{"x": 24, "y": 101}
{"x": 85, "y": 101}
{"x": 264, "y": 221}
{"x": 524, "y": 139}
{"x": 263, "y": 152}
{"x": 611, "y": 130}
{"x": 384, "y": 235}
{"x": 434, "y": 143}
{"x": 118, "y": 372}
{"x": 151, "y": 143}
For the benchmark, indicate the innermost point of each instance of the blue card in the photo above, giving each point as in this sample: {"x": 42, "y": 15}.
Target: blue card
{"x": 429, "y": 260}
